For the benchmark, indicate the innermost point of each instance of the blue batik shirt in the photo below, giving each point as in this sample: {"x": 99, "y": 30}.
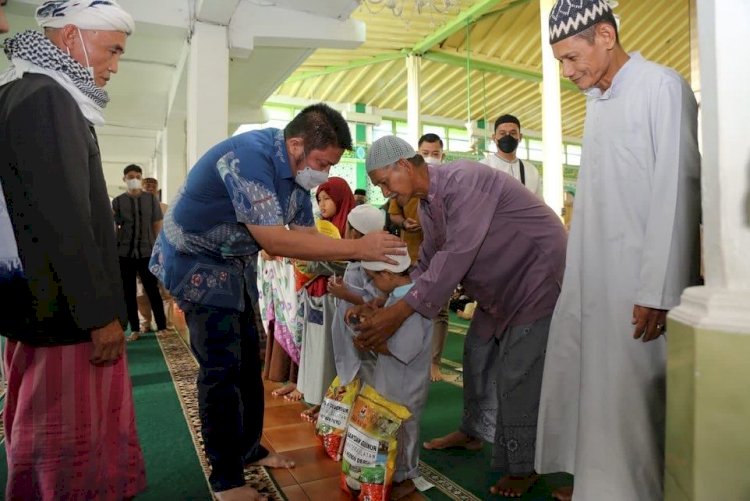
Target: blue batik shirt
{"x": 205, "y": 253}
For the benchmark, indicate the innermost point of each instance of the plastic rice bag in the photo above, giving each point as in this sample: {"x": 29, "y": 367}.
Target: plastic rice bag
{"x": 371, "y": 448}
{"x": 334, "y": 416}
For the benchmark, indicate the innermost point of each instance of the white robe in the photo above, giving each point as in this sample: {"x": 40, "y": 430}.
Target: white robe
{"x": 532, "y": 181}
{"x": 634, "y": 240}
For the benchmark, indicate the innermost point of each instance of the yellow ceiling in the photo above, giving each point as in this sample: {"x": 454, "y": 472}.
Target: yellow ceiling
{"x": 504, "y": 45}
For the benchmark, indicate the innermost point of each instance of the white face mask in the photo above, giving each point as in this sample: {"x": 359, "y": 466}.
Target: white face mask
{"x": 309, "y": 178}
{"x": 133, "y": 184}
{"x": 432, "y": 161}
{"x": 85, "y": 55}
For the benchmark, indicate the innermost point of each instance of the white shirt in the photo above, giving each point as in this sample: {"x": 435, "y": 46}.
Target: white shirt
{"x": 533, "y": 180}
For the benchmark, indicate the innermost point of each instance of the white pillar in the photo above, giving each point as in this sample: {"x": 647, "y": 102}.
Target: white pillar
{"x": 207, "y": 89}
{"x": 164, "y": 164}
{"x": 177, "y": 152}
{"x": 413, "y": 105}
{"x": 708, "y": 407}
{"x": 551, "y": 117}
{"x": 725, "y": 100}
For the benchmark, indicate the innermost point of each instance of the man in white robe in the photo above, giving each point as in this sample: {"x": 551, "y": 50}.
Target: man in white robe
{"x": 632, "y": 249}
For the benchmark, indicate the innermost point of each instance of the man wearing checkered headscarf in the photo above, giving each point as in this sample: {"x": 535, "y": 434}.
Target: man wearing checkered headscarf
{"x": 69, "y": 418}
{"x": 633, "y": 249}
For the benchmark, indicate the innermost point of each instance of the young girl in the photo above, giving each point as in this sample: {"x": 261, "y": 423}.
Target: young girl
{"x": 317, "y": 370}
{"x": 354, "y": 289}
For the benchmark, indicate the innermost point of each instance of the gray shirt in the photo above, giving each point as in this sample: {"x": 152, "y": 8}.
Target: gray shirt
{"x": 135, "y": 217}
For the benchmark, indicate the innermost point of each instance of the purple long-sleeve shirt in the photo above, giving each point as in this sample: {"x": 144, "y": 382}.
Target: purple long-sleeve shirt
{"x": 484, "y": 229}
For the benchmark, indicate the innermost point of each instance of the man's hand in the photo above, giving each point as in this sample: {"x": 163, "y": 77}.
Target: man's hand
{"x": 360, "y": 312}
{"x": 649, "y": 323}
{"x": 382, "y": 324}
{"x": 109, "y": 342}
{"x": 376, "y": 245}
{"x": 411, "y": 225}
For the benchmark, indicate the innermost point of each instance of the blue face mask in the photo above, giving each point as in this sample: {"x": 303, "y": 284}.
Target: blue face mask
{"x": 309, "y": 178}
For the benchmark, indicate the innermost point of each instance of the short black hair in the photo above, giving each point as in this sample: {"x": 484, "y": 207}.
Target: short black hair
{"x": 507, "y": 119}
{"x": 607, "y": 18}
{"x": 132, "y": 168}
{"x": 417, "y": 160}
{"x": 360, "y": 191}
{"x": 430, "y": 138}
{"x": 320, "y": 127}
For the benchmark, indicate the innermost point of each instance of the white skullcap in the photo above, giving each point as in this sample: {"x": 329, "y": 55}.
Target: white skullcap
{"x": 104, "y": 15}
{"x": 403, "y": 263}
{"x": 386, "y": 151}
{"x": 366, "y": 219}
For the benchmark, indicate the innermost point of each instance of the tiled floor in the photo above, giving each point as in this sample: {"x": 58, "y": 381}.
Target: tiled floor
{"x": 315, "y": 477}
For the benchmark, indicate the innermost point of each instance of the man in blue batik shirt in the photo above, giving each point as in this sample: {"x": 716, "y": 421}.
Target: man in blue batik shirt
{"x": 249, "y": 192}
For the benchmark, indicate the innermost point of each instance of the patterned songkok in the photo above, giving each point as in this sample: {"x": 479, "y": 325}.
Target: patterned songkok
{"x": 570, "y": 17}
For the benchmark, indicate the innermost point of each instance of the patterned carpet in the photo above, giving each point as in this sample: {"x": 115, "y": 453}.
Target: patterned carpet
{"x": 184, "y": 368}
{"x": 446, "y": 486}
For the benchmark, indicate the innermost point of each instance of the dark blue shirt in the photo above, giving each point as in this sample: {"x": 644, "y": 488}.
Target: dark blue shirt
{"x": 205, "y": 253}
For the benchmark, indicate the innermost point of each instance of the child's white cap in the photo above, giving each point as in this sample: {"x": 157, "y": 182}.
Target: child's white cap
{"x": 366, "y": 219}
{"x": 403, "y": 263}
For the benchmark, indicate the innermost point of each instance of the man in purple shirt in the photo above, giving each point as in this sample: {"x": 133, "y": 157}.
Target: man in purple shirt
{"x": 486, "y": 230}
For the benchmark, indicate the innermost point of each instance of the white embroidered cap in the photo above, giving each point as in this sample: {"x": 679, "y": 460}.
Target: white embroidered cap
{"x": 403, "y": 263}
{"x": 366, "y": 219}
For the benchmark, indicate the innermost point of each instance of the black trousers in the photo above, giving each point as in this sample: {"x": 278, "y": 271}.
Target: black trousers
{"x": 129, "y": 268}
{"x": 230, "y": 389}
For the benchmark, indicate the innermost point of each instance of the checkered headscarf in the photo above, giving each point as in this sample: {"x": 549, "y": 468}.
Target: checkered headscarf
{"x": 35, "y": 48}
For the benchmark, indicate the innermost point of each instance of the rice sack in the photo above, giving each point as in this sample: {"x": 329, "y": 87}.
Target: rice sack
{"x": 334, "y": 416}
{"x": 371, "y": 448}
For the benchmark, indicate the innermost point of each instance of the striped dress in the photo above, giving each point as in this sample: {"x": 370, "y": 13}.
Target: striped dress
{"x": 69, "y": 425}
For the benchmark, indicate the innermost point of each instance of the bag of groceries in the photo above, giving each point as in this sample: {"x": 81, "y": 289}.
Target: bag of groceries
{"x": 371, "y": 448}
{"x": 334, "y": 416}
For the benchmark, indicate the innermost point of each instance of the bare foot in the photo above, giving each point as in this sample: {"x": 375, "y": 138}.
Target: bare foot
{"x": 564, "y": 493}
{"x": 435, "y": 373}
{"x": 133, "y": 337}
{"x": 457, "y": 439}
{"x": 284, "y": 390}
{"x": 274, "y": 460}
{"x": 514, "y": 486}
{"x": 294, "y": 396}
{"x": 244, "y": 493}
{"x": 402, "y": 489}
{"x": 311, "y": 414}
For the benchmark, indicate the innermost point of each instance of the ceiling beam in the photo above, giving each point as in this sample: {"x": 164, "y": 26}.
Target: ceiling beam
{"x": 216, "y": 11}
{"x": 258, "y": 25}
{"x": 357, "y": 63}
{"x": 469, "y": 16}
{"x": 500, "y": 69}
